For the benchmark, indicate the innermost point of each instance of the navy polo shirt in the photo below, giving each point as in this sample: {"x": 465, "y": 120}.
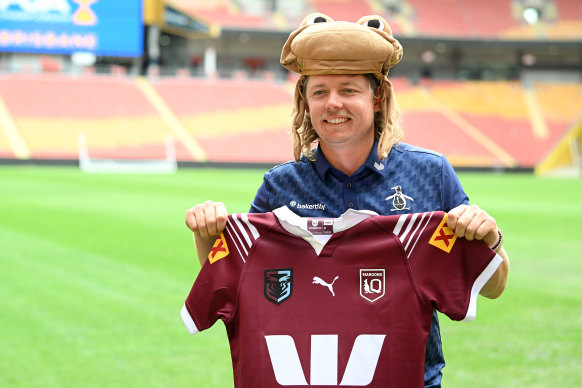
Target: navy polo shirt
{"x": 410, "y": 180}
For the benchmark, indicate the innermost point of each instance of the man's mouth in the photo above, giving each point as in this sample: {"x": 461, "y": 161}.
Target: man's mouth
{"x": 337, "y": 120}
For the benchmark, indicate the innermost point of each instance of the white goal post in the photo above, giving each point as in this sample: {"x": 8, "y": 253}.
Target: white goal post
{"x": 168, "y": 165}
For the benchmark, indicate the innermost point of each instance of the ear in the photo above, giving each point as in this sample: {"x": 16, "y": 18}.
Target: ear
{"x": 377, "y": 104}
{"x": 378, "y": 100}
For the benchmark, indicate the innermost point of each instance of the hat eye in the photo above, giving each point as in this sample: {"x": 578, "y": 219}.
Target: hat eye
{"x": 375, "y": 23}
{"x": 318, "y": 18}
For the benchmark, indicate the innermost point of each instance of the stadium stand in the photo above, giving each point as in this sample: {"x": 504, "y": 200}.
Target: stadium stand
{"x": 461, "y": 18}
{"x": 50, "y": 110}
{"x": 225, "y": 13}
{"x": 500, "y": 111}
{"x": 234, "y": 120}
{"x": 474, "y": 123}
{"x": 343, "y": 9}
{"x": 569, "y": 10}
{"x": 487, "y": 123}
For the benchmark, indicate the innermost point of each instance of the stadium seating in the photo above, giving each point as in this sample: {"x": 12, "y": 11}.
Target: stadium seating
{"x": 234, "y": 120}
{"x": 6, "y": 150}
{"x": 50, "y": 110}
{"x": 499, "y": 111}
{"x": 461, "y": 18}
{"x": 497, "y": 19}
{"x": 225, "y": 13}
{"x": 348, "y": 10}
{"x": 479, "y": 123}
{"x": 569, "y": 10}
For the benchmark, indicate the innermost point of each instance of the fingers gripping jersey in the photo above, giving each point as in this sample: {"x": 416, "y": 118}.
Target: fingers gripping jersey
{"x": 335, "y": 302}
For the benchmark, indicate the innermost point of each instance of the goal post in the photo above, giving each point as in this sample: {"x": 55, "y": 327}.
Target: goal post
{"x": 167, "y": 165}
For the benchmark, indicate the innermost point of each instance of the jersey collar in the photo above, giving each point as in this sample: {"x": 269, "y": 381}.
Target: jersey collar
{"x": 373, "y": 163}
{"x": 297, "y": 225}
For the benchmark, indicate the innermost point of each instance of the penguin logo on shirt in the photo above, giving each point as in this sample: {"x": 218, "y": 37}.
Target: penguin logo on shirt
{"x": 399, "y": 199}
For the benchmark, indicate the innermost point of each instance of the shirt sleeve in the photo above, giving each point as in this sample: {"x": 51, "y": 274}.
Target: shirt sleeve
{"x": 260, "y": 203}
{"x": 453, "y": 193}
{"x": 450, "y": 271}
{"x": 214, "y": 293}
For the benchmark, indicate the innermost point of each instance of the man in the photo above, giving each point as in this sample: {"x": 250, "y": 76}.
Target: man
{"x": 345, "y": 102}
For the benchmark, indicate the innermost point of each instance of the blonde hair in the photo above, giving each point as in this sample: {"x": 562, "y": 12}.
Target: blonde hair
{"x": 387, "y": 121}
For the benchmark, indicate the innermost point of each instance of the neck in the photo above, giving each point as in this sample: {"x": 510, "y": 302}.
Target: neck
{"x": 347, "y": 160}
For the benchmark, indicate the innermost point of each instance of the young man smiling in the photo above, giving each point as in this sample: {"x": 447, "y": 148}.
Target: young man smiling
{"x": 344, "y": 102}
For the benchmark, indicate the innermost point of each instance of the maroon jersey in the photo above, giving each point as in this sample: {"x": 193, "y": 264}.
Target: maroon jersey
{"x": 335, "y": 302}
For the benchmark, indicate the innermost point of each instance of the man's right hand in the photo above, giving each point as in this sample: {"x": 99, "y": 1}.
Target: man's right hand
{"x": 206, "y": 220}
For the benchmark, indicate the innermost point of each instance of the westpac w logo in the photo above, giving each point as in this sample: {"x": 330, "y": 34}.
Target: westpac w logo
{"x": 324, "y": 360}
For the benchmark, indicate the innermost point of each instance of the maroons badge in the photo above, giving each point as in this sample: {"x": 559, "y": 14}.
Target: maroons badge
{"x": 372, "y": 284}
{"x": 278, "y": 285}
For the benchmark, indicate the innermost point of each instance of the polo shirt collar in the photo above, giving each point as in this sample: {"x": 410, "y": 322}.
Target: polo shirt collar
{"x": 373, "y": 163}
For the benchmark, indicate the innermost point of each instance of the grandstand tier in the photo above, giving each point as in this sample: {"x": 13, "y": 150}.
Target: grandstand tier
{"x": 494, "y": 123}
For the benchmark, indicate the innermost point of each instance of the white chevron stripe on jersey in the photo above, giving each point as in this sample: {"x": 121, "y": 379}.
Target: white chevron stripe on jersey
{"x": 409, "y": 252}
{"x": 237, "y": 242}
{"x": 408, "y": 222}
{"x": 408, "y": 227}
{"x": 243, "y": 237}
{"x": 415, "y": 230}
{"x": 254, "y": 231}
{"x": 242, "y": 229}
{"x": 399, "y": 224}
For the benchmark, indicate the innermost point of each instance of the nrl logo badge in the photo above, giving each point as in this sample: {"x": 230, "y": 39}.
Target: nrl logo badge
{"x": 372, "y": 284}
{"x": 278, "y": 285}
{"x": 399, "y": 199}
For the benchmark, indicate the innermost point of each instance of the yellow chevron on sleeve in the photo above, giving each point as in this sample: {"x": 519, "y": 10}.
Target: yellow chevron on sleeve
{"x": 443, "y": 237}
{"x": 219, "y": 249}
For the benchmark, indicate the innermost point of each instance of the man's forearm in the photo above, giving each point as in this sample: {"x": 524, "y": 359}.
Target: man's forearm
{"x": 203, "y": 247}
{"x": 496, "y": 284}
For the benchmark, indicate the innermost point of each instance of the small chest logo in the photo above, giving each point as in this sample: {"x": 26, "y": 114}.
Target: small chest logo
{"x": 399, "y": 199}
{"x": 372, "y": 284}
{"x": 278, "y": 285}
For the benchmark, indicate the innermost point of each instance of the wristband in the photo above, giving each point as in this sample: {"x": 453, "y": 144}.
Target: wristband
{"x": 498, "y": 244}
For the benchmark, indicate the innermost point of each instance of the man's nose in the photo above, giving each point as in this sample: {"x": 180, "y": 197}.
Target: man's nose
{"x": 334, "y": 100}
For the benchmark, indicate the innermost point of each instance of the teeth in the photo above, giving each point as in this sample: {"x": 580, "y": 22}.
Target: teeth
{"x": 337, "y": 121}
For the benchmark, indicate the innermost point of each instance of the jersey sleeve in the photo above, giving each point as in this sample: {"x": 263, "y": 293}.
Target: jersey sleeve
{"x": 449, "y": 271}
{"x": 214, "y": 293}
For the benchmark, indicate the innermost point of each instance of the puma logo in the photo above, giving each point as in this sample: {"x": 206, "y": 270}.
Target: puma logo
{"x": 321, "y": 282}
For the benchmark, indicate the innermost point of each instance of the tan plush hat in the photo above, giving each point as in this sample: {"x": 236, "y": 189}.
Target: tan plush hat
{"x": 323, "y": 46}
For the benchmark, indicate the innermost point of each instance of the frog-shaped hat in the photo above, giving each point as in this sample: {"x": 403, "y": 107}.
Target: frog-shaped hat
{"x": 323, "y": 46}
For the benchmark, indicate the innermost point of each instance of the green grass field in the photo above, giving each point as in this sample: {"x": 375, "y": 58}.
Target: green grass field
{"x": 94, "y": 270}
